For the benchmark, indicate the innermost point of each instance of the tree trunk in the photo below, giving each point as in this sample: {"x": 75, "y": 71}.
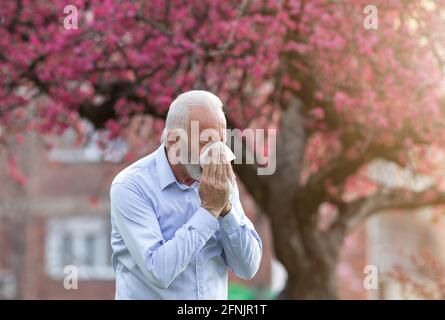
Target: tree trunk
{"x": 308, "y": 254}
{"x": 316, "y": 283}
{"x": 314, "y": 273}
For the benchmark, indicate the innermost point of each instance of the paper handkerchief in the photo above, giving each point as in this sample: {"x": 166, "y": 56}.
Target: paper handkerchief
{"x": 217, "y": 148}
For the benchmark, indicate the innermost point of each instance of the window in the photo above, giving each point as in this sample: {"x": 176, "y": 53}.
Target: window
{"x": 82, "y": 241}
{"x": 66, "y": 151}
{"x": 8, "y": 285}
{"x": 90, "y": 242}
{"x": 67, "y": 249}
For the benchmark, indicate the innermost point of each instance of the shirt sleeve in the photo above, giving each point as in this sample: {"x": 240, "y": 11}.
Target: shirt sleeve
{"x": 242, "y": 244}
{"x": 159, "y": 260}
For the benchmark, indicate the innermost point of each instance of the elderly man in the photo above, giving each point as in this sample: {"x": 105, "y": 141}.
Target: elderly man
{"x": 177, "y": 226}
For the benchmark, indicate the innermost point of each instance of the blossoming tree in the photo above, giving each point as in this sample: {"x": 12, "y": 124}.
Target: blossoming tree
{"x": 340, "y": 95}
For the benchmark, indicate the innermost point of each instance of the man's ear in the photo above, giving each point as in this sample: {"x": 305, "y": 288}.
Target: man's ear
{"x": 172, "y": 143}
{"x": 172, "y": 137}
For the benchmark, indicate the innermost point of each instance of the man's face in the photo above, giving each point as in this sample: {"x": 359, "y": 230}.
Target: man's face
{"x": 212, "y": 127}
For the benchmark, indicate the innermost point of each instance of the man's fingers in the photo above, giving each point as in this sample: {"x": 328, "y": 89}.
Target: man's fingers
{"x": 230, "y": 174}
{"x": 205, "y": 172}
{"x": 212, "y": 173}
{"x": 219, "y": 172}
{"x": 224, "y": 174}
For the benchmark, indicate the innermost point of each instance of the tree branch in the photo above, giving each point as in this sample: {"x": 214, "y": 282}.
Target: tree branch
{"x": 355, "y": 212}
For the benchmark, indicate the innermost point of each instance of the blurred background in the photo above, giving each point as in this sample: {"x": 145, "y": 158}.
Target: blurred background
{"x": 355, "y": 91}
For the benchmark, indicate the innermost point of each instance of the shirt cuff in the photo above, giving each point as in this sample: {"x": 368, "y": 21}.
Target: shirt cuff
{"x": 204, "y": 222}
{"x": 230, "y": 222}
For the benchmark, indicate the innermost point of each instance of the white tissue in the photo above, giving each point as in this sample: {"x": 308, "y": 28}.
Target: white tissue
{"x": 216, "y": 148}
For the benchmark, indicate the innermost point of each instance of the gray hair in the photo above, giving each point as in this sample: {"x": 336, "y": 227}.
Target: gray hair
{"x": 178, "y": 116}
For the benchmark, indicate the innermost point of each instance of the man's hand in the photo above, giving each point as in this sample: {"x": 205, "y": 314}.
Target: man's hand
{"x": 213, "y": 187}
{"x": 226, "y": 209}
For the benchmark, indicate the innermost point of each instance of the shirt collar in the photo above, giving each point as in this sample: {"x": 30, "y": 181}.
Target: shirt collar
{"x": 165, "y": 173}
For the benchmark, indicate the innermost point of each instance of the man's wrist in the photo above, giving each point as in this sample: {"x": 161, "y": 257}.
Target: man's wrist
{"x": 205, "y": 223}
{"x": 211, "y": 211}
{"x": 226, "y": 209}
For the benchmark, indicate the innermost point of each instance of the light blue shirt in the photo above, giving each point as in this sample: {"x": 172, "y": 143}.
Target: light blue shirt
{"x": 165, "y": 246}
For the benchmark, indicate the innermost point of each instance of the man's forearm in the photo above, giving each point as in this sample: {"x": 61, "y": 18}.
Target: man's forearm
{"x": 242, "y": 245}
